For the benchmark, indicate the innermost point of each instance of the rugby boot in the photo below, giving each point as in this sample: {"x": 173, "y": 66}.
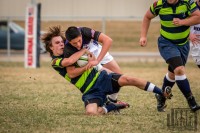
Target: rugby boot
{"x": 192, "y": 104}
{"x": 161, "y": 99}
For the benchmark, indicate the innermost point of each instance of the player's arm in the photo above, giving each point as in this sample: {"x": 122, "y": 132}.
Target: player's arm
{"x": 194, "y": 38}
{"x": 73, "y": 58}
{"x": 192, "y": 20}
{"x": 145, "y": 26}
{"x": 74, "y": 72}
{"x": 106, "y": 42}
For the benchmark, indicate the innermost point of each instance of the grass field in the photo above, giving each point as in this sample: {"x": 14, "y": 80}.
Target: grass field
{"x": 39, "y": 100}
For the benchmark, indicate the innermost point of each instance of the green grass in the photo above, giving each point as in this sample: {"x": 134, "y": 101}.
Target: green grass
{"x": 40, "y": 100}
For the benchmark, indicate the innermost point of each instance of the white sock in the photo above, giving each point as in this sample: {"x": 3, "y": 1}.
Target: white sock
{"x": 151, "y": 87}
{"x": 113, "y": 96}
{"x": 105, "y": 110}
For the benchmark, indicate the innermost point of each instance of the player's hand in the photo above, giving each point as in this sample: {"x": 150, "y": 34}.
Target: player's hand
{"x": 195, "y": 39}
{"x": 143, "y": 41}
{"x": 91, "y": 57}
{"x": 177, "y": 22}
{"x": 93, "y": 63}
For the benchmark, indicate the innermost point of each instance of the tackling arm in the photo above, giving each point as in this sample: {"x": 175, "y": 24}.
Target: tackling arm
{"x": 73, "y": 58}
{"x": 75, "y": 72}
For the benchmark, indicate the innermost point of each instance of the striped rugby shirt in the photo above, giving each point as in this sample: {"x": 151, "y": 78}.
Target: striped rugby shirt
{"x": 176, "y": 34}
{"x": 84, "y": 82}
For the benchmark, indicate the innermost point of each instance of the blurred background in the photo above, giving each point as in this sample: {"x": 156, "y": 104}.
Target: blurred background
{"x": 121, "y": 20}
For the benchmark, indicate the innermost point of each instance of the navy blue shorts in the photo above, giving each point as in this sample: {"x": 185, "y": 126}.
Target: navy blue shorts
{"x": 169, "y": 50}
{"x": 105, "y": 84}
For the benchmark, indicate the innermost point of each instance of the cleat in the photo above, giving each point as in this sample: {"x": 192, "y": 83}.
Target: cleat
{"x": 160, "y": 103}
{"x": 161, "y": 99}
{"x": 168, "y": 92}
{"x": 119, "y": 105}
{"x": 116, "y": 101}
{"x": 126, "y": 105}
{"x": 192, "y": 104}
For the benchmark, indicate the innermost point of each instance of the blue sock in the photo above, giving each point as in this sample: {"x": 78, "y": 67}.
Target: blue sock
{"x": 151, "y": 87}
{"x": 157, "y": 90}
{"x": 110, "y": 107}
{"x": 167, "y": 82}
{"x": 184, "y": 86}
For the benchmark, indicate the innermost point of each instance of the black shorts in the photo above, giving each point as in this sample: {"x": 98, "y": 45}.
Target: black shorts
{"x": 115, "y": 84}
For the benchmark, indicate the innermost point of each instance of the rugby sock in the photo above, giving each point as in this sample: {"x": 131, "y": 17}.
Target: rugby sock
{"x": 113, "y": 96}
{"x": 183, "y": 84}
{"x": 110, "y": 107}
{"x": 167, "y": 82}
{"x": 105, "y": 110}
{"x": 152, "y": 88}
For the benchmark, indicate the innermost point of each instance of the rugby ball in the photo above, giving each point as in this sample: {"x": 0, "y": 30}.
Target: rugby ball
{"x": 82, "y": 61}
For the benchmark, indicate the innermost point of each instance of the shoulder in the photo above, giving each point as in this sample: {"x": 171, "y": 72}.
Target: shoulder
{"x": 156, "y": 6}
{"x": 69, "y": 50}
{"x": 189, "y": 2}
{"x": 56, "y": 61}
{"x": 158, "y": 3}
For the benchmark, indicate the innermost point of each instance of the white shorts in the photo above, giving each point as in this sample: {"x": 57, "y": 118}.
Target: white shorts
{"x": 195, "y": 52}
{"x": 96, "y": 49}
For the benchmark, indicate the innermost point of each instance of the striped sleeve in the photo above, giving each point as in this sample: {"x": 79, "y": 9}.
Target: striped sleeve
{"x": 193, "y": 6}
{"x": 57, "y": 62}
{"x": 155, "y": 7}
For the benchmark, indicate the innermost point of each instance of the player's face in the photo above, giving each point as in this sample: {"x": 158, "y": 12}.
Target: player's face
{"x": 77, "y": 42}
{"x": 57, "y": 46}
{"x": 198, "y": 2}
{"x": 172, "y": 1}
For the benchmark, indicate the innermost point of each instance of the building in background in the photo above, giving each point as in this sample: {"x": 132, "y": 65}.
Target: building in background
{"x": 77, "y": 9}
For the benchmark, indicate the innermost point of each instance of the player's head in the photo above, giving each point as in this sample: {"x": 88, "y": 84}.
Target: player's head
{"x": 74, "y": 37}
{"x": 172, "y": 2}
{"x": 54, "y": 41}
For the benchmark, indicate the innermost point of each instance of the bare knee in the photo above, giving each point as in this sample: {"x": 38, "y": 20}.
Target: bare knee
{"x": 91, "y": 109}
{"x": 90, "y": 112}
{"x": 179, "y": 70}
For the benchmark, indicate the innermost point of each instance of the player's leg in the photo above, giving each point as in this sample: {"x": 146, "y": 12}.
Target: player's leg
{"x": 169, "y": 80}
{"x": 176, "y": 57}
{"x": 91, "y": 107}
{"x": 109, "y": 63}
{"x": 144, "y": 85}
{"x": 167, "y": 50}
{"x": 195, "y": 52}
{"x": 113, "y": 66}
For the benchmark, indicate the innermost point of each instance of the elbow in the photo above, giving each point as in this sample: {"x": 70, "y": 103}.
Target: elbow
{"x": 71, "y": 76}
